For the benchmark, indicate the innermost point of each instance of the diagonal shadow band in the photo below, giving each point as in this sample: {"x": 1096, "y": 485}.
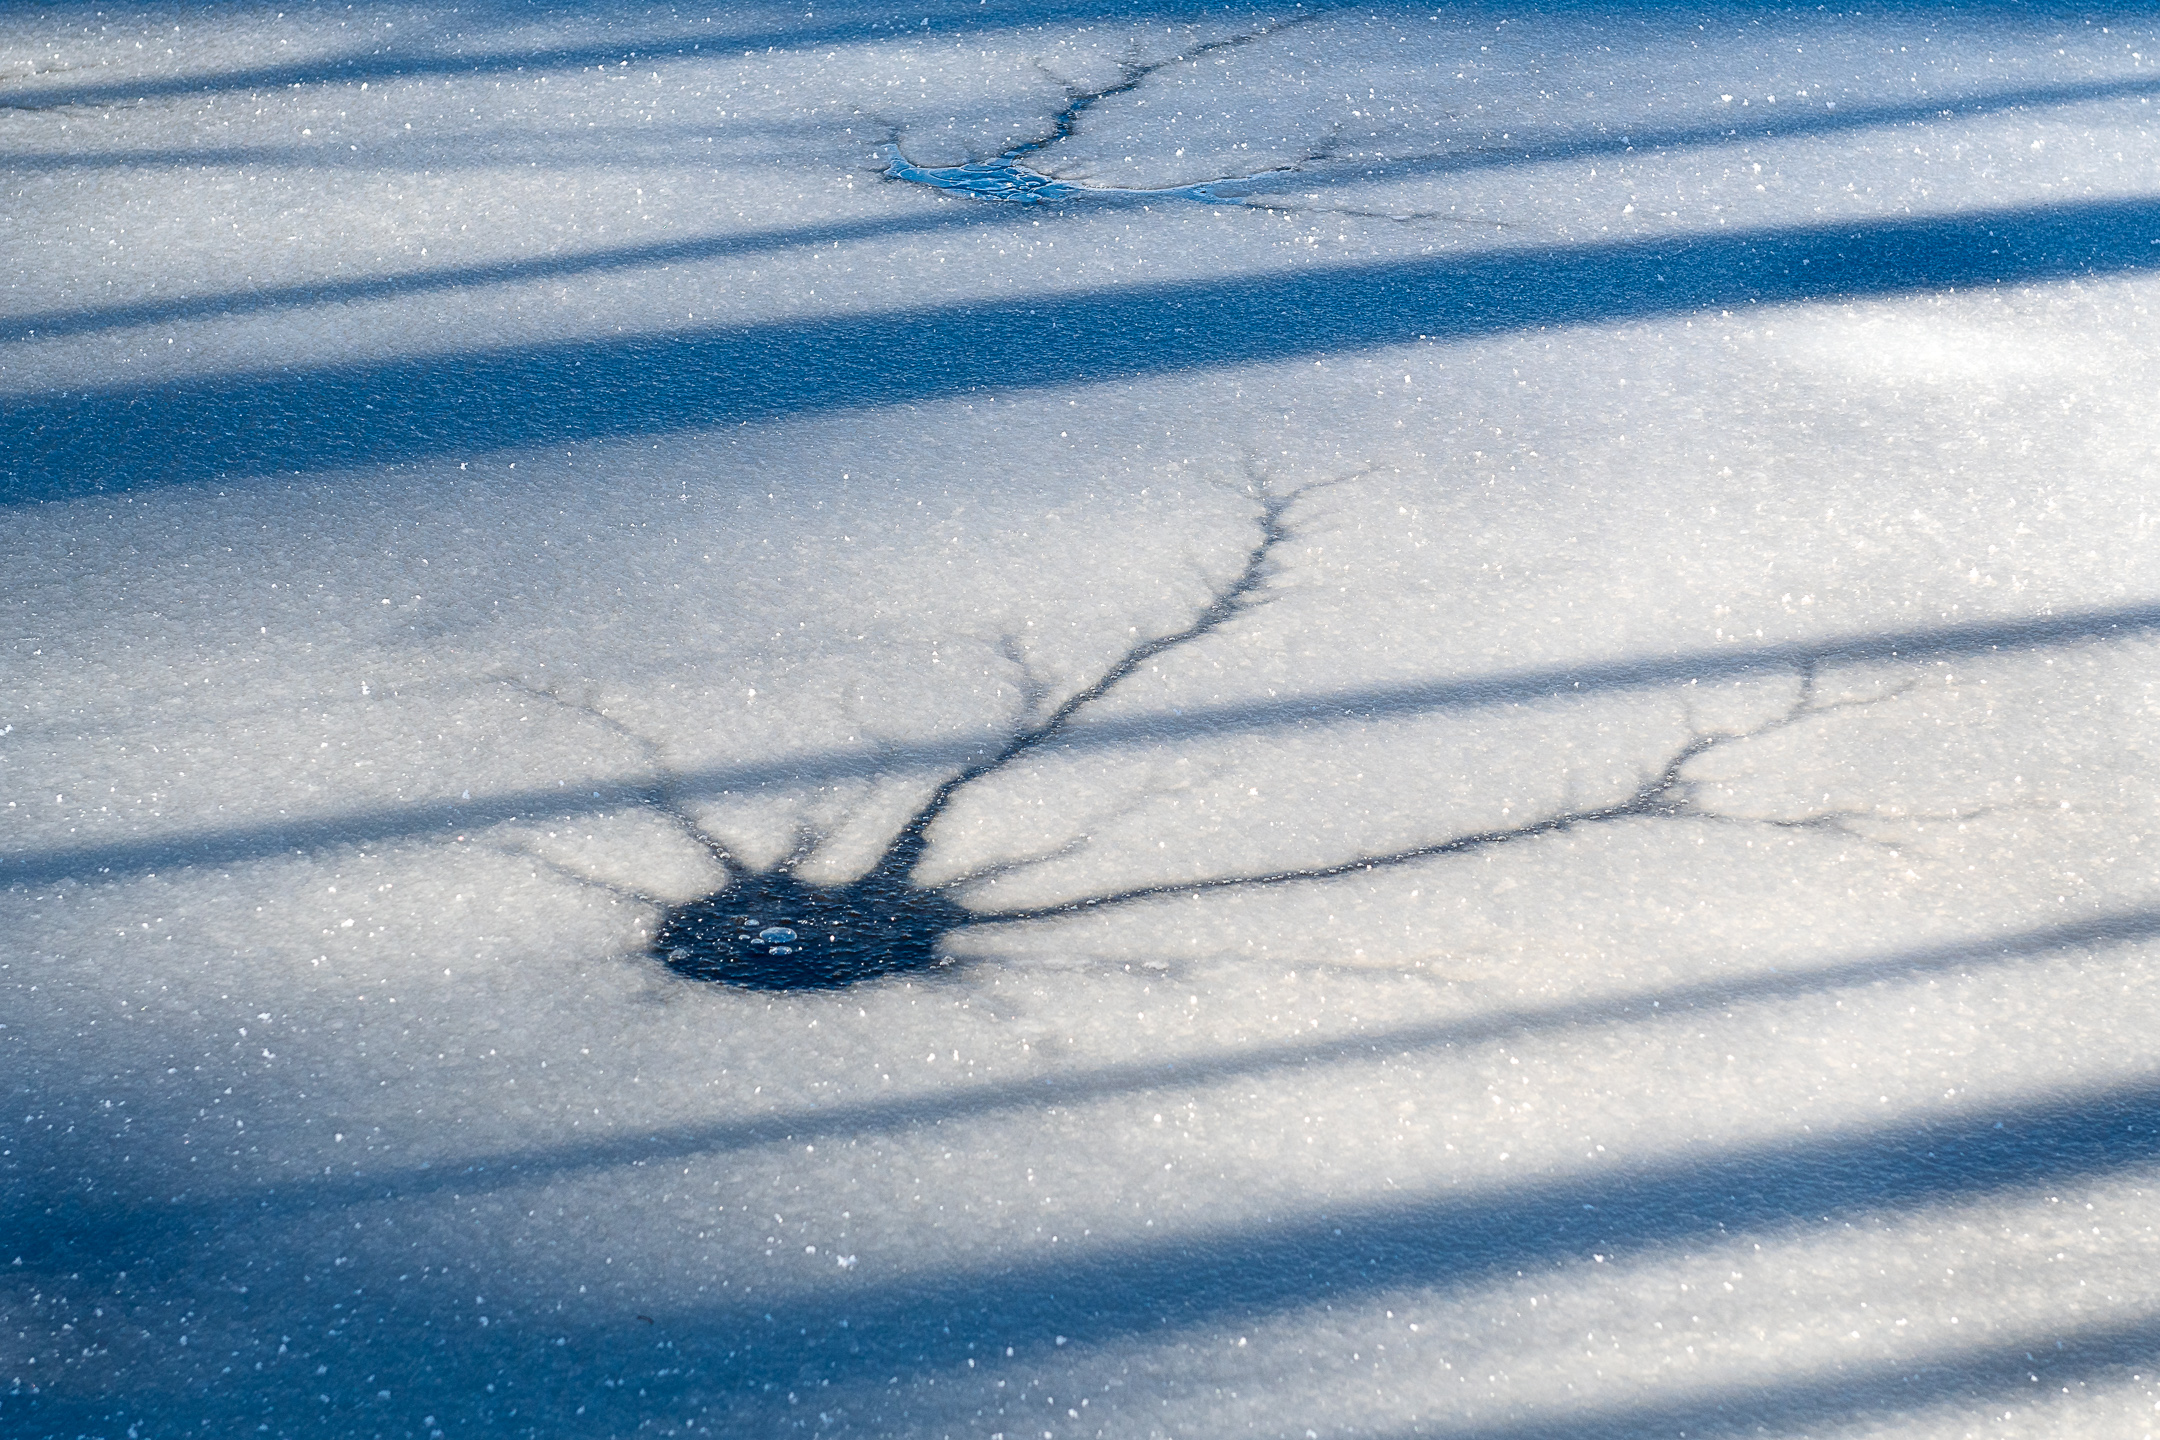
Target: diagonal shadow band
{"x": 422, "y": 819}
{"x": 1789, "y": 1189}
{"x": 58, "y": 445}
{"x": 844, "y": 24}
{"x": 90, "y": 320}
{"x": 441, "y": 279}
{"x": 1795, "y": 122}
{"x": 1185, "y": 1075}
{"x": 2027, "y": 1367}
{"x": 1262, "y": 1266}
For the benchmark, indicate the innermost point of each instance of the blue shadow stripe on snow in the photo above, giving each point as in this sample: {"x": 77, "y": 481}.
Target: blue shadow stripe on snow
{"x": 1187, "y": 1074}
{"x": 2029, "y": 1362}
{"x": 60, "y": 445}
{"x": 1273, "y": 1265}
{"x": 928, "y": 19}
{"x": 840, "y": 25}
{"x": 1799, "y": 124}
{"x": 1940, "y": 1387}
{"x": 435, "y": 820}
{"x": 1789, "y": 1187}
{"x": 73, "y": 1233}
{"x": 2028, "y": 1368}
{"x": 1800, "y": 120}
{"x": 435, "y": 280}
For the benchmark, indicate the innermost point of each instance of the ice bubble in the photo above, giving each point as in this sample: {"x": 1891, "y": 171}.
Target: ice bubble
{"x": 776, "y": 935}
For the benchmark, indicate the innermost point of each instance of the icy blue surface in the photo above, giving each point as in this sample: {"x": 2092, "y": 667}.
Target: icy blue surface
{"x": 1451, "y": 734}
{"x": 999, "y": 179}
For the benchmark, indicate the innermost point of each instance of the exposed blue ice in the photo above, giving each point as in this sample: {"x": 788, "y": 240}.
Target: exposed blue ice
{"x": 1451, "y": 733}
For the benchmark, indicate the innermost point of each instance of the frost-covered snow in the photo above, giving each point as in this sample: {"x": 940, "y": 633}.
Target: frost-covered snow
{"x": 1600, "y": 880}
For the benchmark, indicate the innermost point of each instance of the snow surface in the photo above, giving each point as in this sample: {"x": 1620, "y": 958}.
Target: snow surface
{"x": 1641, "y": 922}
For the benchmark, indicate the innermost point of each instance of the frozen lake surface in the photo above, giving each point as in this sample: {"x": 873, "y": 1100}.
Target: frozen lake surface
{"x": 1050, "y": 720}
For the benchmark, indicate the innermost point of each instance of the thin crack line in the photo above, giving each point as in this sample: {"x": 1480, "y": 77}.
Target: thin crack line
{"x": 991, "y": 873}
{"x": 1004, "y": 179}
{"x": 1227, "y": 603}
{"x": 525, "y": 850}
{"x": 662, "y": 796}
{"x": 1667, "y": 795}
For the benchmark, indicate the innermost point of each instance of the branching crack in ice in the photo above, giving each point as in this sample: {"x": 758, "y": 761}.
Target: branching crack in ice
{"x": 1668, "y": 794}
{"x": 770, "y": 929}
{"x": 1005, "y": 179}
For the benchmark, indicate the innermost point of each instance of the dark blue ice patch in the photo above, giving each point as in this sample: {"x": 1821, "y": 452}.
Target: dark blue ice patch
{"x": 999, "y": 179}
{"x": 774, "y": 932}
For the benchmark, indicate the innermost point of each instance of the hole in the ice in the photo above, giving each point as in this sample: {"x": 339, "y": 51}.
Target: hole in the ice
{"x": 768, "y": 930}
{"x": 774, "y": 932}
